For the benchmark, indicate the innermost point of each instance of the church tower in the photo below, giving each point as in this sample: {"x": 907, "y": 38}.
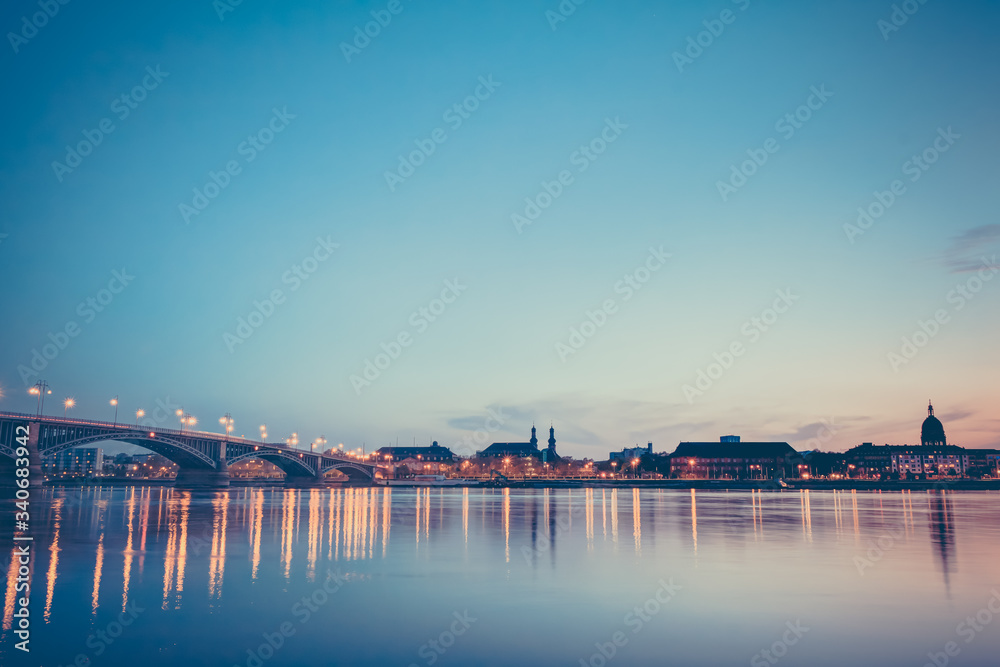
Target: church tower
{"x": 552, "y": 439}
{"x": 534, "y": 438}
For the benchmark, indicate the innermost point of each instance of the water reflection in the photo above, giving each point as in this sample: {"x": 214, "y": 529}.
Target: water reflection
{"x": 50, "y": 576}
{"x": 942, "y": 532}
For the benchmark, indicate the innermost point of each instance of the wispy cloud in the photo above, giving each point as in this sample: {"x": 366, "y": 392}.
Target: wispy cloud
{"x": 969, "y": 249}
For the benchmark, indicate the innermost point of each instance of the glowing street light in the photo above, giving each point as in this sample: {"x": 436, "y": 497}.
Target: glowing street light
{"x": 186, "y": 419}
{"x": 67, "y": 404}
{"x": 114, "y": 402}
{"x": 263, "y": 432}
{"x": 40, "y": 389}
{"x": 227, "y": 421}
{"x": 318, "y": 441}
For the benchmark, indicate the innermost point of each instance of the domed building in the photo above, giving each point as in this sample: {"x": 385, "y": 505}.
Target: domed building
{"x": 932, "y": 431}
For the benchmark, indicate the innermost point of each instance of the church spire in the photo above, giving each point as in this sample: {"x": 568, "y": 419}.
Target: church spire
{"x": 534, "y": 438}
{"x": 930, "y": 408}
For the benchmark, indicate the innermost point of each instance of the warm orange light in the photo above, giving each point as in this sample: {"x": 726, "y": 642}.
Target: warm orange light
{"x": 69, "y": 402}
{"x": 114, "y": 401}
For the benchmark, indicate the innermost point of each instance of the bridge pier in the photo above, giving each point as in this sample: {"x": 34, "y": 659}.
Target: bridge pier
{"x": 194, "y": 478}
{"x": 35, "y": 475}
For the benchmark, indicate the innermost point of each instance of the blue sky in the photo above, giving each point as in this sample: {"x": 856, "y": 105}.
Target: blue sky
{"x": 344, "y": 125}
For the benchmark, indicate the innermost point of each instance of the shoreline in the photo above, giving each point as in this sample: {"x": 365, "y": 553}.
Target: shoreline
{"x": 676, "y": 484}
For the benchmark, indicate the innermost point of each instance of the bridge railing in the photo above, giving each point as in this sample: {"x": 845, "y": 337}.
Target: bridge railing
{"x": 134, "y": 427}
{"x": 126, "y": 426}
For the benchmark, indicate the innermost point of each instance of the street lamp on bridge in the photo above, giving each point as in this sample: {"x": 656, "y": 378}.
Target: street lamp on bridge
{"x": 67, "y": 404}
{"x": 139, "y": 414}
{"x": 318, "y": 441}
{"x": 263, "y": 432}
{"x": 227, "y": 421}
{"x": 40, "y": 389}
{"x": 186, "y": 419}
{"x": 114, "y": 402}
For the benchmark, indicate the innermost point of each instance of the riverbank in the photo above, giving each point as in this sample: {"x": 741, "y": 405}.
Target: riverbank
{"x": 677, "y": 484}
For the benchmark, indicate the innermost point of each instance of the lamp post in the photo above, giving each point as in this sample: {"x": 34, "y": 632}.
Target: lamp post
{"x": 186, "y": 418}
{"x": 114, "y": 402}
{"x": 263, "y": 432}
{"x": 40, "y": 389}
{"x": 227, "y": 421}
{"x": 139, "y": 414}
{"x": 320, "y": 441}
{"x": 67, "y": 404}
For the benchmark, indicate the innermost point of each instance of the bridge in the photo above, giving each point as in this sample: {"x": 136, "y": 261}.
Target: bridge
{"x": 203, "y": 459}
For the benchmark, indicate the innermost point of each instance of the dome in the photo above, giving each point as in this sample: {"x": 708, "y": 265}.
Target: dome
{"x": 932, "y": 432}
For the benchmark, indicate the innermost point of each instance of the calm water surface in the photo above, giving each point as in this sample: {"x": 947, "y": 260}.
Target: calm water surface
{"x": 510, "y": 577}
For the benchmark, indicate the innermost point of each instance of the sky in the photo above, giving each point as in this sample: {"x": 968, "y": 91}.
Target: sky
{"x": 637, "y": 221}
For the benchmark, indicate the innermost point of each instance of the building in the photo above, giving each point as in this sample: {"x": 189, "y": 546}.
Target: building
{"x": 932, "y": 457}
{"x": 78, "y": 462}
{"x": 432, "y": 454}
{"x": 731, "y": 459}
{"x": 499, "y": 450}
{"x": 629, "y": 453}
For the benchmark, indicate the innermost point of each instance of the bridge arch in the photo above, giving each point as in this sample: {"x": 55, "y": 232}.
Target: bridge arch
{"x": 291, "y": 464}
{"x": 183, "y": 454}
{"x": 353, "y": 471}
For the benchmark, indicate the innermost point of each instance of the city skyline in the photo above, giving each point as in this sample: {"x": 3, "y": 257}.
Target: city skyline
{"x": 822, "y": 436}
